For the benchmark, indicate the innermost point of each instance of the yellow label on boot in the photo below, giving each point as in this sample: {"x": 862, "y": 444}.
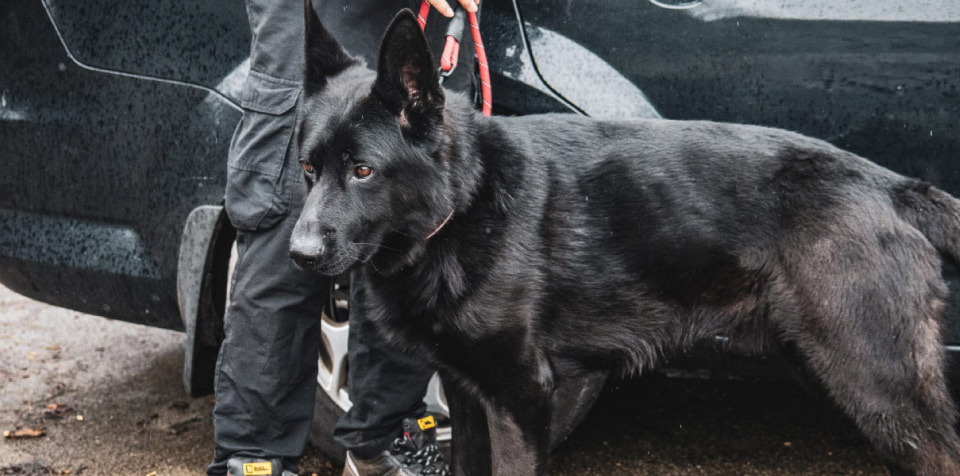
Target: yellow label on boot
{"x": 426, "y": 423}
{"x": 258, "y": 469}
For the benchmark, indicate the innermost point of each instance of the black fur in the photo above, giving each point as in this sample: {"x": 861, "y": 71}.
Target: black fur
{"x": 578, "y": 245}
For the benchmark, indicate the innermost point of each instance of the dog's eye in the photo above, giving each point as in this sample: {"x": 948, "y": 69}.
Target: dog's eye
{"x": 362, "y": 171}
{"x": 308, "y": 168}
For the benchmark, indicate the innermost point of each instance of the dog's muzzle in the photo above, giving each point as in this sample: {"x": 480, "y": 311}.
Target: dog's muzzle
{"x": 306, "y": 252}
{"x": 308, "y": 244}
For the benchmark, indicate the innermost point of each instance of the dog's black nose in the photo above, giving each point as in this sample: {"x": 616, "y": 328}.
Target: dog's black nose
{"x": 309, "y": 242}
{"x": 306, "y": 251}
{"x": 305, "y": 261}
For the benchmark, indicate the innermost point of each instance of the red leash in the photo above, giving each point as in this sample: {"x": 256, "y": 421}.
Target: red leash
{"x": 451, "y": 52}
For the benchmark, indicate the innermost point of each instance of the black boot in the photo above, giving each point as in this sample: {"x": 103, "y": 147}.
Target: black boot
{"x": 414, "y": 453}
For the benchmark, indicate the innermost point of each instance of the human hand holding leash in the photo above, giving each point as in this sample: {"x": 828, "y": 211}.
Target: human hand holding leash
{"x": 444, "y": 8}
{"x": 448, "y": 60}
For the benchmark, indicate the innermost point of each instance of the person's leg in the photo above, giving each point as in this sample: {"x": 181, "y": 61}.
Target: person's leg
{"x": 266, "y": 376}
{"x": 266, "y": 372}
{"x": 386, "y": 385}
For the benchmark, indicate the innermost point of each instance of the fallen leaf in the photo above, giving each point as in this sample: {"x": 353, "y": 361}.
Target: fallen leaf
{"x": 26, "y": 468}
{"x": 25, "y": 433}
{"x": 146, "y": 421}
{"x": 58, "y": 390}
{"x": 183, "y": 426}
{"x": 56, "y": 410}
{"x": 152, "y": 473}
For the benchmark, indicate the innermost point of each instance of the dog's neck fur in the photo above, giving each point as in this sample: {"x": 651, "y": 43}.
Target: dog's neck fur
{"x": 435, "y": 278}
{"x": 461, "y": 130}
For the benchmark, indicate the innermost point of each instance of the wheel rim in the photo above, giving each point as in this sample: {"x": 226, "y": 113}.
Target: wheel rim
{"x": 332, "y": 371}
{"x": 333, "y": 360}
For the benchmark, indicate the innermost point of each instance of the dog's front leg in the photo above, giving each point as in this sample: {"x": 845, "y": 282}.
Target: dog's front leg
{"x": 519, "y": 436}
{"x": 471, "y": 440}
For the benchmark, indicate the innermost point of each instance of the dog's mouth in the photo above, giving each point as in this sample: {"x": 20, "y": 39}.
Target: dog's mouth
{"x": 333, "y": 265}
{"x": 311, "y": 254}
{"x": 334, "y": 257}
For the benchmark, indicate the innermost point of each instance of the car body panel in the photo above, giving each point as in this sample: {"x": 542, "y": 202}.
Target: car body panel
{"x": 100, "y": 173}
{"x": 880, "y": 80}
{"x": 198, "y": 43}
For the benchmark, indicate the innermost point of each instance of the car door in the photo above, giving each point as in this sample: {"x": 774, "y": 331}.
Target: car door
{"x": 115, "y": 117}
{"x": 878, "y": 78}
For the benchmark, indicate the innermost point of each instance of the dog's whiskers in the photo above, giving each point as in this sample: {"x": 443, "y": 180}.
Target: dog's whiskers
{"x": 402, "y": 233}
{"x": 378, "y": 246}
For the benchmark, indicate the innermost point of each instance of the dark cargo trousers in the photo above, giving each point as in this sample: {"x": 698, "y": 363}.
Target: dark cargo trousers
{"x": 267, "y": 368}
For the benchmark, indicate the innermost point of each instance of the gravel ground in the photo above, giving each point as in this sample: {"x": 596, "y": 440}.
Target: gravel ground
{"x": 658, "y": 426}
{"x": 123, "y": 380}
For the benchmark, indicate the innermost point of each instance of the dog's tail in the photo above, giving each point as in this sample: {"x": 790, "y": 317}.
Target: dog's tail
{"x": 932, "y": 211}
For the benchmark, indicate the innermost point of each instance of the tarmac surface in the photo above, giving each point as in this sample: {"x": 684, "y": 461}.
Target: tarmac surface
{"x": 109, "y": 400}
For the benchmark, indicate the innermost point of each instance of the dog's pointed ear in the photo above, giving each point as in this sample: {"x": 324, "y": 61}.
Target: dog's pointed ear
{"x": 324, "y": 55}
{"x": 406, "y": 77}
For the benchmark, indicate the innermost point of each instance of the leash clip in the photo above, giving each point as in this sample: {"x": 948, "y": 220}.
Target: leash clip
{"x": 444, "y": 74}
{"x": 451, "y": 49}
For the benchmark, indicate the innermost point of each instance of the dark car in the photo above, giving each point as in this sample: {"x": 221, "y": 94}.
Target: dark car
{"x": 115, "y": 118}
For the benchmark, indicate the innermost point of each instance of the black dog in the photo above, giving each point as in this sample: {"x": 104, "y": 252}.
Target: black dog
{"x": 521, "y": 254}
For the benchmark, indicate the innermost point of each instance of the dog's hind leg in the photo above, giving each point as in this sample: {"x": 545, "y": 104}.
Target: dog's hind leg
{"x": 908, "y": 418}
{"x": 867, "y": 321}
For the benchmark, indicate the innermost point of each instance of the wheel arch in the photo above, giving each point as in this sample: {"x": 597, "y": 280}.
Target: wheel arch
{"x": 202, "y": 276}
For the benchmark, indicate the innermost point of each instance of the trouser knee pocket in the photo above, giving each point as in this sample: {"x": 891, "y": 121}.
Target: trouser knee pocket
{"x": 256, "y": 196}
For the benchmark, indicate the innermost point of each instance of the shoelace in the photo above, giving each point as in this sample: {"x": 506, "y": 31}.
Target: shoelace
{"x": 427, "y": 458}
